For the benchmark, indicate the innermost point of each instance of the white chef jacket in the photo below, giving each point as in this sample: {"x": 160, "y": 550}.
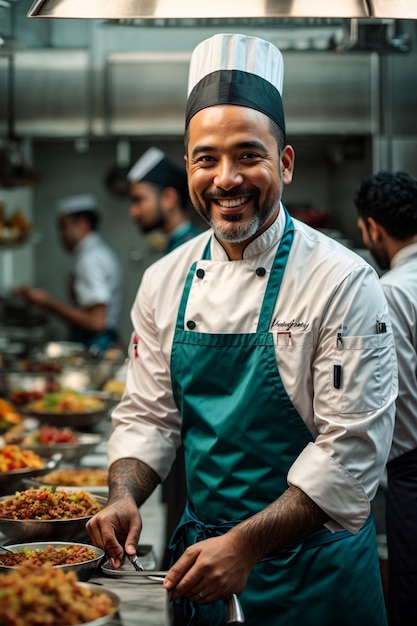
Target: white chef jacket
{"x": 98, "y": 277}
{"x": 326, "y": 290}
{"x": 400, "y": 287}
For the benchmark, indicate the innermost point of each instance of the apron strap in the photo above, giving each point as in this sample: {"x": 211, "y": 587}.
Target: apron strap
{"x": 276, "y": 275}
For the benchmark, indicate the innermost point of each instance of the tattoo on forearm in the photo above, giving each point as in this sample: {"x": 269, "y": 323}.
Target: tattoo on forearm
{"x": 132, "y": 477}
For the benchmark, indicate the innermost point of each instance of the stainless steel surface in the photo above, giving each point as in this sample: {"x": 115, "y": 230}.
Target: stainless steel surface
{"x": 128, "y": 77}
{"x": 46, "y": 530}
{"x": 166, "y": 9}
{"x": 84, "y": 570}
{"x": 64, "y": 92}
{"x": 323, "y": 92}
{"x": 70, "y": 452}
{"x": 234, "y": 611}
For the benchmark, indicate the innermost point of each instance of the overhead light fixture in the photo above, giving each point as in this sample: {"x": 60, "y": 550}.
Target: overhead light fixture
{"x": 219, "y": 9}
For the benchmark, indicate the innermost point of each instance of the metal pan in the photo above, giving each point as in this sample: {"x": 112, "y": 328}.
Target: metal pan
{"x": 234, "y": 611}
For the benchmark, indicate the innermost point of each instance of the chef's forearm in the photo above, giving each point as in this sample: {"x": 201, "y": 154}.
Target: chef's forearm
{"x": 132, "y": 477}
{"x": 289, "y": 518}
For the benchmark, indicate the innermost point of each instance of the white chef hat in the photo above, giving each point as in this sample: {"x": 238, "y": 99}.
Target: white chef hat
{"x": 76, "y": 204}
{"x": 155, "y": 167}
{"x": 236, "y": 69}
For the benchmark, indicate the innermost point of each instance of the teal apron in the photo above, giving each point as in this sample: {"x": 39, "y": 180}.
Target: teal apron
{"x": 241, "y": 434}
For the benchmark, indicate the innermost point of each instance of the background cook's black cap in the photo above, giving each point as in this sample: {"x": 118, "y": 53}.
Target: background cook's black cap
{"x": 155, "y": 167}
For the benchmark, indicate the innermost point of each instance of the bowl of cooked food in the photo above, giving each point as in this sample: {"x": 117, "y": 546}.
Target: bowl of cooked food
{"x": 17, "y": 464}
{"x": 49, "y": 440}
{"x": 95, "y": 480}
{"x": 70, "y": 408}
{"x": 46, "y": 514}
{"x": 31, "y": 591}
{"x": 82, "y": 558}
{"x": 9, "y": 417}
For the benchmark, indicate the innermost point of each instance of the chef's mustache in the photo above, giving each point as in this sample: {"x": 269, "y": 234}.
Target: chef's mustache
{"x": 236, "y": 192}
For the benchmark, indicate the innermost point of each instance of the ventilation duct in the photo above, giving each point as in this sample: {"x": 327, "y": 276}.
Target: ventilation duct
{"x": 223, "y": 9}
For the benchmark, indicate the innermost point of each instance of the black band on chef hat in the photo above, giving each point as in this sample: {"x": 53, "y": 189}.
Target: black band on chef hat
{"x": 236, "y": 87}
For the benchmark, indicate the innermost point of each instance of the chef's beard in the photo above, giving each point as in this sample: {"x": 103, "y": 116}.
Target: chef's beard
{"x": 237, "y": 229}
{"x": 381, "y": 258}
{"x": 157, "y": 223}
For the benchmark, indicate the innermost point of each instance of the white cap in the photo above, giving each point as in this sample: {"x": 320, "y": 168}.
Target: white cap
{"x": 145, "y": 164}
{"x": 237, "y": 52}
{"x": 76, "y": 204}
{"x": 236, "y": 69}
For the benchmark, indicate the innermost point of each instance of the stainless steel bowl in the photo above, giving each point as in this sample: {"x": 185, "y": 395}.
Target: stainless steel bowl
{"x": 47, "y": 530}
{"x": 14, "y": 479}
{"x": 114, "y": 598}
{"x": 79, "y": 421}
{"x": 71, "y": 452}
{"x": 84, "y": 570}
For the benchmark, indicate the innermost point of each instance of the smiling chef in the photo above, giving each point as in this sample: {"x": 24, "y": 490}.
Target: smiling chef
{"x": 266, "y": 348}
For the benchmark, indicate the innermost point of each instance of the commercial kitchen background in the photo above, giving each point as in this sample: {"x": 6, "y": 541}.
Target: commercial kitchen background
{"x": 81, "y": 99}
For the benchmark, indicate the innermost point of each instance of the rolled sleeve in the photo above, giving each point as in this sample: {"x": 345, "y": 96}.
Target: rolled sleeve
{"x": 331, "y": 487}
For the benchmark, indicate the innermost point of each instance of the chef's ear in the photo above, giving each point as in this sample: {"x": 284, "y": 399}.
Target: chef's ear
{"x": 287, "y": 158}
{"x": 169, "y": 198}
{"x": 375, "y": 230}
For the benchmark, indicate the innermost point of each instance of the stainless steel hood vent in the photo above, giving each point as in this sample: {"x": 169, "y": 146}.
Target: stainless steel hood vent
{"x": 223, "y": 9}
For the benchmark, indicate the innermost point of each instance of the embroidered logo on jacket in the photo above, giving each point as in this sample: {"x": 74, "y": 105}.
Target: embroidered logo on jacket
{"x": 286, "y": 326}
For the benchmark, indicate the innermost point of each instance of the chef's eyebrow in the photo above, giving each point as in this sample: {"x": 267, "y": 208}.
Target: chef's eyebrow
{"x": 244, "y": 145}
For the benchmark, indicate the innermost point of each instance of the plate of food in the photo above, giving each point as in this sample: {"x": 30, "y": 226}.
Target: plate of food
{"x": 57, "y": 595}
{"x": 48, "y": 513}
{"x": 82, "y": 558}
{"x": 93, "y": 479}
{"x": 17, "y": 464}
{"x": 49, "y": 440}
{"x": 70, "y": 408}
{"x": 9, "y": 417}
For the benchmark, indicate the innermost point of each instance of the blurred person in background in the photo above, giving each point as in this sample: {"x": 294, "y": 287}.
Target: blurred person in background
{"x": 387, "y": 218}
{"x": 95, "y": 296}
{"x": 158, "y": 194}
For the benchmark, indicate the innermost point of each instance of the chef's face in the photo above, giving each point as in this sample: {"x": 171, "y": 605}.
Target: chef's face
{"x": 235, "y": 172}
{"x": 145, "y": 207}
{"x": 374, "y": 244}
{"x": 70, "y": 231}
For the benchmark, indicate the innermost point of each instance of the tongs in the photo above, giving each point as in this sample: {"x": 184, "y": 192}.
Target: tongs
{"x": 136, "y": 562}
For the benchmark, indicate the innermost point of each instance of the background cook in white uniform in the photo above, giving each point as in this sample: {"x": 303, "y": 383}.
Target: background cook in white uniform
{"x": 341, "y": 470}
{"x": 400, "y": 286}
{"x": 98, "y": 277}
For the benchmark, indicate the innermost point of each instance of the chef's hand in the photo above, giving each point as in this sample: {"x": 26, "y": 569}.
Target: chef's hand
{"x": 116, "y": 529}
{"x": 34, "y": 295}
{"x": 209, "y": 570}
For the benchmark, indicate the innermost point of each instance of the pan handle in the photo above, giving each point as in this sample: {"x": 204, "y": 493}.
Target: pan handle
{"x": 234, "y": 611}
